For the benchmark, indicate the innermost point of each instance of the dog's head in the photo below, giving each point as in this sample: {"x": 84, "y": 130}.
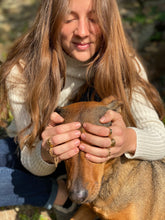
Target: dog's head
{"x": 85, "y": 177}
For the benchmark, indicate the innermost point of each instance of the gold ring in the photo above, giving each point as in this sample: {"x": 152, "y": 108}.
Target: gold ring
{"x": 110, "y": 131}
{"x": 113, "y": 142}
{"x": 55, "y": 157}
{"x": 56, "y": 161}
{"x": 49, "y": 143}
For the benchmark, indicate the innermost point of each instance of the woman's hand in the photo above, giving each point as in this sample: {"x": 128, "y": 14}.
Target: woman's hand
{"x": 102, "y": 143}
{"x": 64, "y": 139}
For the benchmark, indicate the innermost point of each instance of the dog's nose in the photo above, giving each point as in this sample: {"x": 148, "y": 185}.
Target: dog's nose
{"x": 79, "y": 195}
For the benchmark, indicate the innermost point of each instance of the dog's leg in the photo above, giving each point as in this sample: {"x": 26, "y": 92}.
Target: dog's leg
{"x": 84, "y": 212}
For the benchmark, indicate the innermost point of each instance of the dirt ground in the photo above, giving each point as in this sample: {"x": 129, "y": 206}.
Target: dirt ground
{"x": 25, "y": 213}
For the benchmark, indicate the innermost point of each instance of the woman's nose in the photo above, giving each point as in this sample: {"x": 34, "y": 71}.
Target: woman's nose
{"x": 82, "y": 29}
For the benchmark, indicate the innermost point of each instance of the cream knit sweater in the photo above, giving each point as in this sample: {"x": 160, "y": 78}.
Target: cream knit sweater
{"x": 150, "y": 130}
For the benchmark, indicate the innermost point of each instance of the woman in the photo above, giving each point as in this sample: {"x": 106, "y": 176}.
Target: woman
{"x": 76, "y": 50}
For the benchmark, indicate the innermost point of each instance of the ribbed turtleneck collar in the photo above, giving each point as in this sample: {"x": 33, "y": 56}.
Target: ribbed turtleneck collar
{"x": 75, "y": 68}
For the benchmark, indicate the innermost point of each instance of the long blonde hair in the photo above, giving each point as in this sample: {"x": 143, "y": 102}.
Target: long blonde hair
{"x": 113, "y": 66}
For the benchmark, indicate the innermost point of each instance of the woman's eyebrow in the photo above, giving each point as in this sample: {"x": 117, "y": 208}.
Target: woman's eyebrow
{"x": 71, "y": 12}
{"x": 92, "y": 11}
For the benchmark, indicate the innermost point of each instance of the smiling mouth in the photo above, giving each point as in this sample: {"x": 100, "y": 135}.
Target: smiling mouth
{"x": 82, "y": 46}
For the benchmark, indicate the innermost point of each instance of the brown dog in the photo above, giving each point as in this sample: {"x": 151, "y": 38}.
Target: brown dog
{"x": 119, "y": 189}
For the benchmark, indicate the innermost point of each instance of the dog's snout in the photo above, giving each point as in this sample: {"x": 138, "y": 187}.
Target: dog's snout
{"x": 79, "y": 196}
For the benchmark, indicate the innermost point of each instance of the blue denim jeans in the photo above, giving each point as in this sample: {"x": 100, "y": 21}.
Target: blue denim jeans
{"x": 20, "y": 187}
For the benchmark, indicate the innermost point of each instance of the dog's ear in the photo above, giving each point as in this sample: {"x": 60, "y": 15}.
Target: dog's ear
{"x": 108, "y": 100}
{"x": 115, "y": 105}
{"x": 61, "y": 111}
{"x": 58, "y": 110}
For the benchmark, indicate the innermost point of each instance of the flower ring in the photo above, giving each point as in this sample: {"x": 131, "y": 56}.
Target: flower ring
{"x": 49, "y": 143}
{"x": 55, "y": 157}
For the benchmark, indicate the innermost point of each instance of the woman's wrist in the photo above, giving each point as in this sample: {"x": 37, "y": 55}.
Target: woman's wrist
{"x": 46, "y": 156}
{"x": 131, "y": 141}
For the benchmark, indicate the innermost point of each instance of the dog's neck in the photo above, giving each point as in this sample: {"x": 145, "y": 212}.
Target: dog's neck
{"x": 117, "y": 171}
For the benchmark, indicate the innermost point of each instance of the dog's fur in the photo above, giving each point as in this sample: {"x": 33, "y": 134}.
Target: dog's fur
{"x": 119, "y": 189}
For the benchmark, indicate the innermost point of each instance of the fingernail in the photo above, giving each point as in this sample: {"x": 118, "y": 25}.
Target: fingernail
{"x": 102, "y": 119}
{"x": 77, "y": 133}
{"x": 77, "y": 124}
{"x": 77, "y": 142}
{"x": 83, "y": 136}
{"x": 76, "y": 150}
{"x": 82, "y": 147}
{"x": 84, "y": 125}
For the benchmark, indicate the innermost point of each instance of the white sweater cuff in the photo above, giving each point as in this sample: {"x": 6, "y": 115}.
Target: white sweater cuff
{"x": 150, "y": 145}
{"x": 33, "y": 162}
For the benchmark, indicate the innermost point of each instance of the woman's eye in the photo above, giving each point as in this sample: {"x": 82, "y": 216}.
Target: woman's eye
{"x": 68, "y": 21}
{"x": 92, "y": 20}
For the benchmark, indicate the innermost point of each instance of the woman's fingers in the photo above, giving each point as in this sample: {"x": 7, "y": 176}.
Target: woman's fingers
{"x": 112, "y": 116}
{"x": 56, "y": 133}
{"x": 103, "y": 143}
{"x": 63, "y": 128}
{"x": 94, "y": 140}
{"x": 66, "y": 150}
{"x": 65, "y": 137}
{"x": 55, "y": 118}
{"x": 99, "y": 155}
{"x": 96, "y": 129}
{"x": 93, "y": 150}
{"x": 69, "y": 154}
{"x": 99, "y": 143}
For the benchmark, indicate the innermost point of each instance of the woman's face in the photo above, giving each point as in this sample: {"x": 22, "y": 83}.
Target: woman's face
{"x": 80, "y": 33}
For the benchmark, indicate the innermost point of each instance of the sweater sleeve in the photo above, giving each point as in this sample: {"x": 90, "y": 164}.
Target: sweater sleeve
{"x": 30, "y": 158}
{"x": 32, "y": 161}
{"x": 150, "y": 131}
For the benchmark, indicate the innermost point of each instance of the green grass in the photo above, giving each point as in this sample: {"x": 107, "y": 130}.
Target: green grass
{"x": 140, "y": 17}
{"x": 36, "y": 216}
